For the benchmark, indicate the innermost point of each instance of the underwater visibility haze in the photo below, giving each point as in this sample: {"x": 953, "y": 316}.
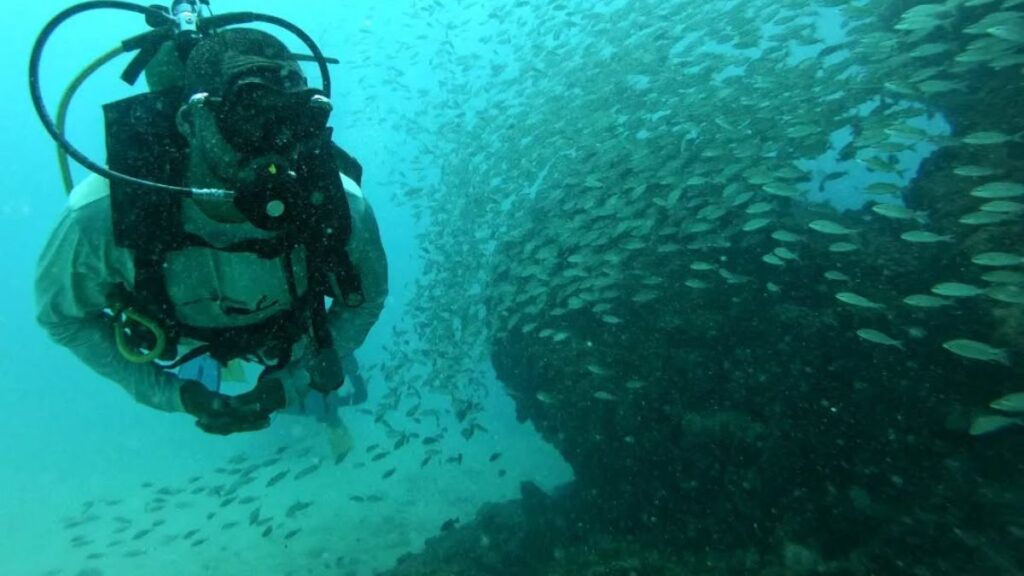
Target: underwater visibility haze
{"x": 676, "y": 288}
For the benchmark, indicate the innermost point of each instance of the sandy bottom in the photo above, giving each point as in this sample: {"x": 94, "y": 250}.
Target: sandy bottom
{"x": 75, "y": 504}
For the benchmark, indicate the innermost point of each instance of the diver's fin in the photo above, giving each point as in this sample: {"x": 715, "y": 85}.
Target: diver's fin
{"x": 234, "y": 371}
{"x": 339, "y": 439}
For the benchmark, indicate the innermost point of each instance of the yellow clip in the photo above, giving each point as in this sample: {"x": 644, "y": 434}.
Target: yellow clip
{"x": 138, "y": 356}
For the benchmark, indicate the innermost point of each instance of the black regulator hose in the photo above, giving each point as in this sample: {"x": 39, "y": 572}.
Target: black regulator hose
{"x": 40, "y": 105}
{"x": 154, "y": 15}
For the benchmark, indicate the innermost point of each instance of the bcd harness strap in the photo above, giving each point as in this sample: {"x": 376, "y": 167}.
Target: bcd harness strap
{"x": 143, "y": 140}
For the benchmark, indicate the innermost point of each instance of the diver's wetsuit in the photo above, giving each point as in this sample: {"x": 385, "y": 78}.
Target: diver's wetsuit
{"x": 81, "y": 265}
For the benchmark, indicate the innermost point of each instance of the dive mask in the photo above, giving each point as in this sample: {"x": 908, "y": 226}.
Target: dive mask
{"x": 257, "y": 117}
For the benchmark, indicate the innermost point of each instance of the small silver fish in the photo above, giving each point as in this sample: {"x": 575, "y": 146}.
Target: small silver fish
{"x": 879, "y": 338}
{"x": 1010, "y": 403}
{"x": 993, "y": 423}
{"x": 977, "y": 351}
{"x": 830, "y": 228}
{"x": 857, "y": 300}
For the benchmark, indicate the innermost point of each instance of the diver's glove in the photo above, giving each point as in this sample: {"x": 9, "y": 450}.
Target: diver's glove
{"x": 266, "y": 398}
{"x": 359, "y": 392}
{"x": 326, "y": 373}
{"x": 222, "y": 414}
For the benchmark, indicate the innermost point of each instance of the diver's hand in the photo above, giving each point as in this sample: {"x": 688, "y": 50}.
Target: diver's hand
{"x": 234, "y": 423}
{"x": 266, "y": 398}
{"x": 221, "y": 414}
{"x": 325, "y": 371}
{"x": 248, "y": 412}
{"x": 200, "y": 401}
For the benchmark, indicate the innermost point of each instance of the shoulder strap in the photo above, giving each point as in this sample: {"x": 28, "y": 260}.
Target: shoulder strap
{"x": 348, "y": 165}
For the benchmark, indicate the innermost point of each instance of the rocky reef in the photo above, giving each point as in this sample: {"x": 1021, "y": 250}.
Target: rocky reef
{"x": 737, "y": 424}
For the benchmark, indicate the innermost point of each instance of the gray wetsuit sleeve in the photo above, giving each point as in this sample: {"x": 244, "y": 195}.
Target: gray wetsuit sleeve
{"x": 350, "y": 326}
{"x": 77, "y": 269}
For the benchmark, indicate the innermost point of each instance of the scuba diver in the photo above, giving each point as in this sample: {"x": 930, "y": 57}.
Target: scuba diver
{"x": 226, "y": 227}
